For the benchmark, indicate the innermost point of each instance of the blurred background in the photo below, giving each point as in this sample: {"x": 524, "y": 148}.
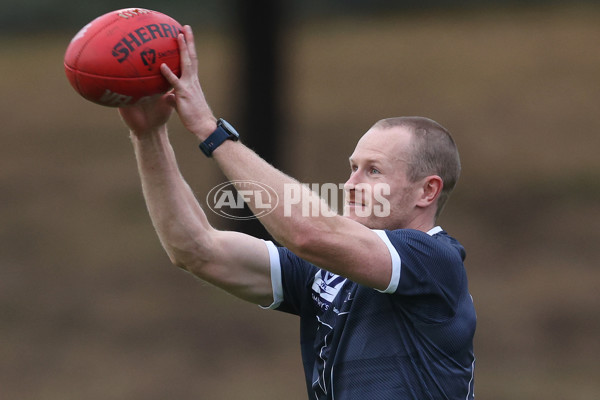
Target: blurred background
{"x": 90, "y": 307}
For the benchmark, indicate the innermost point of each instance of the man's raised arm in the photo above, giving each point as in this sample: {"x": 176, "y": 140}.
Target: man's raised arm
{"x": 233, "y": 261}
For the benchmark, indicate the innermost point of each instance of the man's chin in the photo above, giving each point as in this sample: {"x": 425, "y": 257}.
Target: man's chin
{"x": 371, "y": 222}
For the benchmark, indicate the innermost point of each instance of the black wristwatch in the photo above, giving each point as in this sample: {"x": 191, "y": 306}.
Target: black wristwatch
{"x": 223, "y": 132}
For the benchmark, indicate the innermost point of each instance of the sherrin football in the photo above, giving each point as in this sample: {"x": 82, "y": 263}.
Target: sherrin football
{"x": 115, "y": 59}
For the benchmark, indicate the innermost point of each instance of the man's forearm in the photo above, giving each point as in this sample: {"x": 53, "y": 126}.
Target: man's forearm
{"x": 176, "y": 215}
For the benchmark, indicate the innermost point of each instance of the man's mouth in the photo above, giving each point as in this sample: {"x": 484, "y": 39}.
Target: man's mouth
{"x": 355, "y": 204}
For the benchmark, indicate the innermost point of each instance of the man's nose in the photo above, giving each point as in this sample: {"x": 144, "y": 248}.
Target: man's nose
{"x": 352, "y": 181}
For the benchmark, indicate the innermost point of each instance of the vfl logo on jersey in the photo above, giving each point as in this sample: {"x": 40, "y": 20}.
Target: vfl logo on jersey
{"x": 325, "y": 287}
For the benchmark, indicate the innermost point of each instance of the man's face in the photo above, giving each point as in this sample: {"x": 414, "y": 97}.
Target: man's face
{"x": 378, "y": 193}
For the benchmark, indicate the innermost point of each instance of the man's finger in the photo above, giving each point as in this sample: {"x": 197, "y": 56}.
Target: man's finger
{"x": 171, "y": 99}
{"x": 187, "y": 66}
{"x": 191, "y": 46}
{"x": 169, "y": 75}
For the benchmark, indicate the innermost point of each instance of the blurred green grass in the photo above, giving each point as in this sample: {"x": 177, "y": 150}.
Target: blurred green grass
{"x": 90, "y": 307}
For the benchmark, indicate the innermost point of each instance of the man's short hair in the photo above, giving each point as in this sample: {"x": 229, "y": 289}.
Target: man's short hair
{"x": 434, "y": 152}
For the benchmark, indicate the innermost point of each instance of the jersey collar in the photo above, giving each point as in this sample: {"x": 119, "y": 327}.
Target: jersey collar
{"x": 435, "y": 230}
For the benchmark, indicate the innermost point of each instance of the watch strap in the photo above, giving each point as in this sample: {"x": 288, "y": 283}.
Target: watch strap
{"x": 215, "y": 139}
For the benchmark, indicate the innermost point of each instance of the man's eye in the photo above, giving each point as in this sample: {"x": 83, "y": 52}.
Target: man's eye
{"x": 375, "y": 171}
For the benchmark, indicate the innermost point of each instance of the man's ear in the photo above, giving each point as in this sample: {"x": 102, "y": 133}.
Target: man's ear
{"x": 431, "y": 190}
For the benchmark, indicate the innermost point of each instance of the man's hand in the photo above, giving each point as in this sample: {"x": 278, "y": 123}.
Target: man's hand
{"x": 148, "y": 116}
{"x": 188, "y": 99}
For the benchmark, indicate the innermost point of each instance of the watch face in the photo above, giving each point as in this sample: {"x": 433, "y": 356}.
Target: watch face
{"x": 227, "y": 126}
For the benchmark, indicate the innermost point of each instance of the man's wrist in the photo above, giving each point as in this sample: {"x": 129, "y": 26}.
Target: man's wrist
{"x": 224, "y": 132}
{"x": 203, "y": 130}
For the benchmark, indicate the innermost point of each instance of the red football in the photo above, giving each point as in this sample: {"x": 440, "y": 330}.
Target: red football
{"x": 115, "y": 59}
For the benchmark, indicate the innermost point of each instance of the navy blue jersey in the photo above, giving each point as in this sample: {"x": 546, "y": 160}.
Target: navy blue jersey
{"x": 412, "y": 341}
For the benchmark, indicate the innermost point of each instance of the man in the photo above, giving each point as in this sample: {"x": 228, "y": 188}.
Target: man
{"x": 383, "y": 300}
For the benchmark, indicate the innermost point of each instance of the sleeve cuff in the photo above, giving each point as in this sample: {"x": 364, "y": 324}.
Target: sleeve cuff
{"x": 396, "y": 263}
{"x": 275, "y": 265}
